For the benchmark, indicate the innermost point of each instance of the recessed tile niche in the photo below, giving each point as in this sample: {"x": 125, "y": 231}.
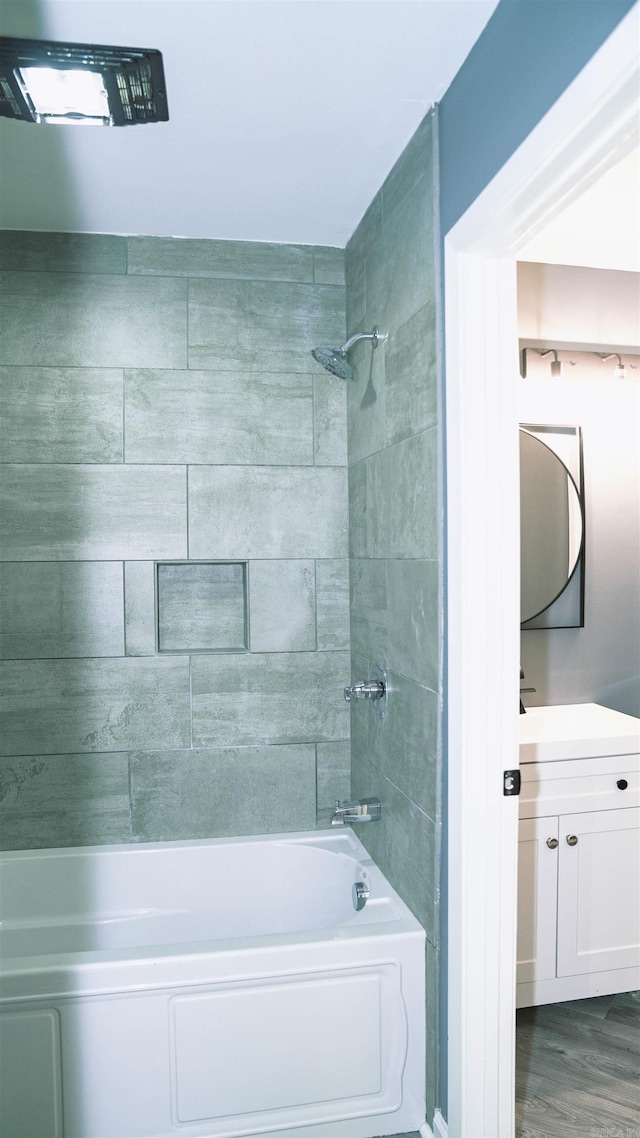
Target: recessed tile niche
{"x": 201, "y": 606}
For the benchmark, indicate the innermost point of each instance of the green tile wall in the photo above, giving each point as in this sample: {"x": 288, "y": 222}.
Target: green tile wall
{"x": 159, "y": 404}
{"x": 395, "y": 537}
{"x": 51, "y": 414}
{"x": 279, "y": 698}
{"x": 257, "y": 325}
{"x": 268, "y": 511}
{"x": 50, "y": 609}
{"x": 221, "y": 417}
{"x": 98, "y": 512}
{"x": 283, "y": 606}
{"x": 92, "y": 320}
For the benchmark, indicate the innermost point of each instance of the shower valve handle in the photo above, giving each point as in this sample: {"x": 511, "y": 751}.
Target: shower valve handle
{"x": 373, "y": 690}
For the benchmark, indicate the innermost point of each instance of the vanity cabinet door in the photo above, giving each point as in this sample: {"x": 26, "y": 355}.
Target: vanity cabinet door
{"x": 599, "y": 891}
{"x": 537, "y": 899}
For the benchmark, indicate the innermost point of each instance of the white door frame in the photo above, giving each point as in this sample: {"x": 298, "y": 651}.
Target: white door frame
{"x": 591, "y": 126}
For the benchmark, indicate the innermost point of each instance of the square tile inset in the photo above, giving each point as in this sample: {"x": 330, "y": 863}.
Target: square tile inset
{"x": 201, "y": 607}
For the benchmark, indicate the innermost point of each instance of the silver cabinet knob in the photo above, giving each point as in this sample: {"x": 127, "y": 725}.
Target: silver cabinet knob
{"x": 572, "y": 840}
{"x": 552, "y": 843}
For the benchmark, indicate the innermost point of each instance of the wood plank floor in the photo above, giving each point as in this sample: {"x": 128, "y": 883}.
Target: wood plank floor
{"x": 578, "y": 1069}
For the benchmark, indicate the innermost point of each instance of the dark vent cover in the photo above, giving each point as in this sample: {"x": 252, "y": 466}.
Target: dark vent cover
{"x": 133, "y": 77}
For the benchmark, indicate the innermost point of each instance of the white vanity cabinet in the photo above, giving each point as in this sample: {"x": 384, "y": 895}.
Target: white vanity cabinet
{"x": 579, "y": 854}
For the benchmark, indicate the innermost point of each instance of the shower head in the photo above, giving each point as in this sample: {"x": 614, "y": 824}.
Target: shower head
{"x": 335, "y": 360}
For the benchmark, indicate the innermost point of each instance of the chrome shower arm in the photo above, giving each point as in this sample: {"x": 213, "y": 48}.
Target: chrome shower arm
{"x": 376, "y": 336}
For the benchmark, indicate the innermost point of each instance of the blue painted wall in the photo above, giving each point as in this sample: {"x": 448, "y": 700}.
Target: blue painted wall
{"x": 528, "y": 54}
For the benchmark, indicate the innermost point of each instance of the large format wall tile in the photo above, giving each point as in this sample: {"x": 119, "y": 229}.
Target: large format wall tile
{"x": 86, "y": 320}
{"x": 228, "y": 260}
{"x": 360, "y": 715}
{"x": 222, "y": 792}
{"x": 333, "y": 773}
{"x": 93, "y": 512}
{"x": 282, "y": 608}
{"x": 403, "y": 842}
{"x": 139, "y": 608}
{"x": 368, "y": 608}
{"x": 279, "y": 698}
{"x": 413, "y": 621}
{"x": 358, "y": 509}
{"x": 25, "y": 251}
{"x": 332, "y": 602}
{"x": 400, "y": 277}
{"x": 366, "y": 398}
{"x": 330, "y": 420}
{"x": 73, "y": 706}
{"x": 410, "y": 854}
{"x": 265, "y": 512}
{"x": 328, "y": 265}
{"x": 355, "y": 294}
{"x": 218, "y": 417}
{"x": 402, "y": 499}
{"x": 415, "y": 162}
{"x": 63, "y": 800}
{"x": 67, "y": 608}
{"x": 411, "y": 376}
{"x": 52, "y": 414}
{"x": 367, "y": 233}
{"x": 260, "y": 325}
{"x": 404, "y": 744}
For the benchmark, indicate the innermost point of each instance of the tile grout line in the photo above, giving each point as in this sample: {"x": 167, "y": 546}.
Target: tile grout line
{"x": 130, "y": 796}
{"x": 186, "y": 470}
{"x": 123, "y": 420}
{"x": 124, "y": 609}
{"x": 191, "y": 702}
{"x": 187, "y": 325}
{"x": 315, "y": 600}
{"x": 313, "y": 421}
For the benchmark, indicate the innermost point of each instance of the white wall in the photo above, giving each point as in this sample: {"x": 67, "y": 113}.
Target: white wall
{"x": 564, "y": 304}
{"x": 567, "y": 304}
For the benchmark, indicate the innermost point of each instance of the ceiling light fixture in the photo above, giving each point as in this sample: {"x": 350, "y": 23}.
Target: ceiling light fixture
{"x": 42, "y": 81}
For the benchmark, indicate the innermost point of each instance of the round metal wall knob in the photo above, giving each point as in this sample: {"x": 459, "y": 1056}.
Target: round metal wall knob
{"x": 552, "y": 843}
{"x": 572, "y": 840}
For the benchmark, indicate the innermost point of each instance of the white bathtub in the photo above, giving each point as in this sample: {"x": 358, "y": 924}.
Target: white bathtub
{"x": 209, "y": 988}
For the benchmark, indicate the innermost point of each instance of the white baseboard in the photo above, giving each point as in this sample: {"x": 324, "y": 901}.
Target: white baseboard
{"x": 440, "y": 1129}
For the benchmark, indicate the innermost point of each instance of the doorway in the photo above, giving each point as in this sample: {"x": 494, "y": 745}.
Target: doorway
{"x": 587, "y": 131}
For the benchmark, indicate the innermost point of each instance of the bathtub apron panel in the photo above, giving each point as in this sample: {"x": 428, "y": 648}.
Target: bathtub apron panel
{"x": 315, "y": 1031}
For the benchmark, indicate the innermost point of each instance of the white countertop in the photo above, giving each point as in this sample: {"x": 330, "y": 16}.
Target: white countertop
{"x": 576, "y": 731}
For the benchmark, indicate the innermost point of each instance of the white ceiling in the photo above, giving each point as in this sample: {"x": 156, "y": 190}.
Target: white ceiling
{"x": 285, "y": 115}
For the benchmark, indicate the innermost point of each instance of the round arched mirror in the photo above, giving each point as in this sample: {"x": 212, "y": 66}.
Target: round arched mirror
{"x": 551, "y": 526}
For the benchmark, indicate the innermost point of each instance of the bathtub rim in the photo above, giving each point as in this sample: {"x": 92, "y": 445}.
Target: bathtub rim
{"x": 150, "y": 967}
